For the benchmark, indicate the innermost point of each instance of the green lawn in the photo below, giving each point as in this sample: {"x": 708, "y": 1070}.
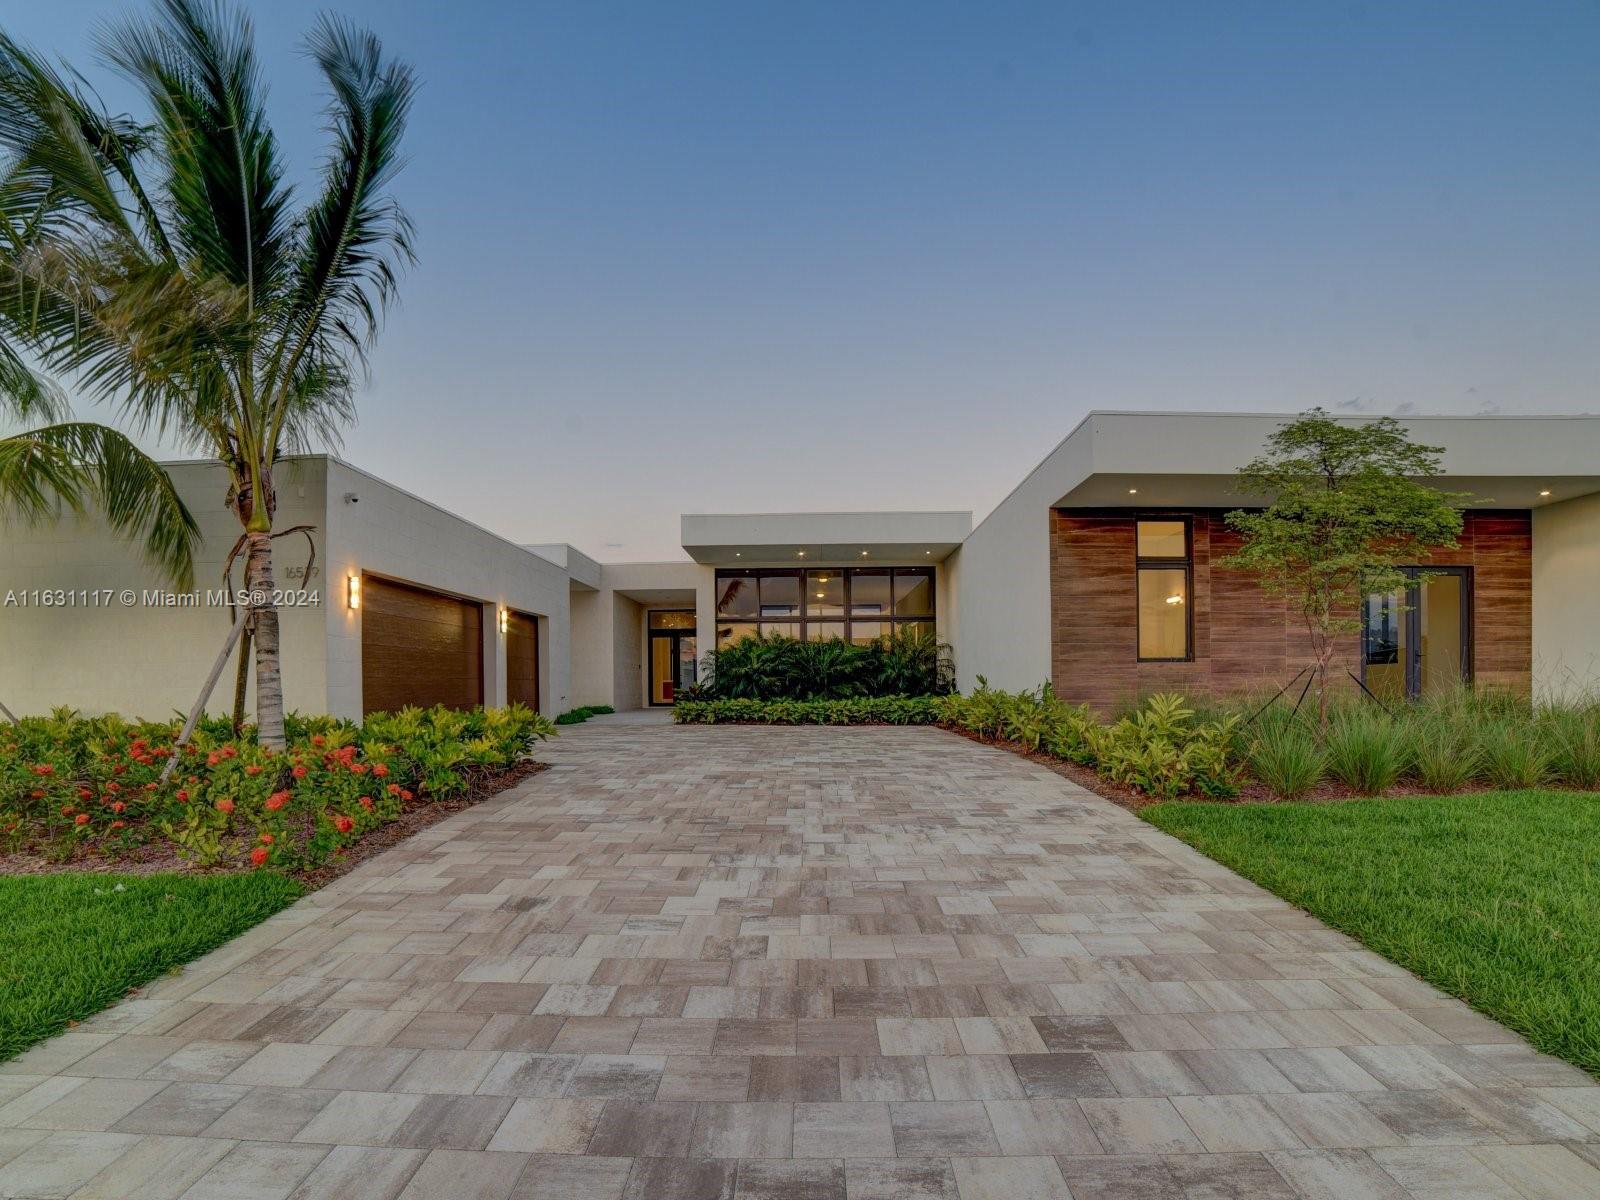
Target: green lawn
{"x": 71, "y": 944}
{"x": 1493, "y": 897}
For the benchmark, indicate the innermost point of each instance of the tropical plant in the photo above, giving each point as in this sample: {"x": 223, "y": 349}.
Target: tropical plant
{"x": 166, "y": 266}
{"x": 1345, "y": 510}
{"x": 69, "y": 464}
{"x": 773, "y": 666}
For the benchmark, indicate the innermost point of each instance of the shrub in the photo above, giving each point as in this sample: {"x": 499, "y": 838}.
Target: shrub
{"x": 1160, "y": 750}
{"x": 71, "y": 784}
{"x": 1573, "y": 739}
{"x": 1514, "y": 753}
{"x": 576, "y": 716}
{"x": 1367, "y": 749}
{"x": 1445, "y": 755}
{"x": 861, "y": 710}
{"x": 775, "y": 667}
{"x": 1286, "y": 757}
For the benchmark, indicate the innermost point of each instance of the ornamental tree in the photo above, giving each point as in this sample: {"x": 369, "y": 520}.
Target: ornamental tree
{"x": 1349, "y": 507}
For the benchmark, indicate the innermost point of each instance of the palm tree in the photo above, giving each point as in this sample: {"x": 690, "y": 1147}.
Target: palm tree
{"x": 68, "y": 464}
{"x": 167, "y": 266}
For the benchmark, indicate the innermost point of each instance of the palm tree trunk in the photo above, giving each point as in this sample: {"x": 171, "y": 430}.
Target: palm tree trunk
{"x": 269, "y": 679}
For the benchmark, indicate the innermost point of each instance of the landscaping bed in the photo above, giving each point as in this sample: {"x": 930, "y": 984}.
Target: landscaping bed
{"x": 80, "y": 792}
{"x": 1489, "y": 896}
{"x": 861, "y": 710}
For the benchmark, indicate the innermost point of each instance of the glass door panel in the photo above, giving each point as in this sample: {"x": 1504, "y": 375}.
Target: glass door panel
{"x": 1441, "y": 634}
{"x": 661, "y": 676}
{"x": 683, "y": 647}
{"x": 1385, "y": 648}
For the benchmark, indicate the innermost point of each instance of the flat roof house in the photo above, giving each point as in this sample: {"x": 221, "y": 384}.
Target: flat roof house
{"x": 1098, "y": 572}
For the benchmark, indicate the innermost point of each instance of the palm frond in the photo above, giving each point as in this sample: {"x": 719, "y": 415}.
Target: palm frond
{"x": 195, "y": 62}
{"x": 356, "y": 237}
{"x": 69, "y": 464}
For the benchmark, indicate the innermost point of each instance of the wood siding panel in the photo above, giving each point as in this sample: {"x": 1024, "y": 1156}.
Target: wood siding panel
{"x": 522, "y": 660}
{"x": 418, "y": 648}
{"x": 1243, "y": 639}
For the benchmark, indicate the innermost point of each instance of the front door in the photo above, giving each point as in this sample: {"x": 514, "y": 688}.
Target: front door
{"x": 672, "y": 655}
{"x": 1417, "y": 640}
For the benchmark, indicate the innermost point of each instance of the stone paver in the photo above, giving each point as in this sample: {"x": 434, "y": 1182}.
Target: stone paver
{"x": 863, "y": 964}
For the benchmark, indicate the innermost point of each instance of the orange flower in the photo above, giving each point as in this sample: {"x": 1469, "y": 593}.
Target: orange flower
{"x": 299, "y": 772}
{"x": 277, "y": 800}
{"x": 266, "y": 838}
{"x": 82, "y": 819}
{"x": 259, "y": 856}
{"x": 343, "y": 823}
{"x": 252, "y": 770}
{"x": 183, "y": 796}
{"x": 380, "y": 769}
{"x": 365, "y": 802}
{"x": 225, "y": 805}
{"x": 118, "y": 806}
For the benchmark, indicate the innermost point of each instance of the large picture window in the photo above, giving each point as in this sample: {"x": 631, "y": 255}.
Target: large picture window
{"x": 818, "y": 603}
{"x": 1164, "y": 575}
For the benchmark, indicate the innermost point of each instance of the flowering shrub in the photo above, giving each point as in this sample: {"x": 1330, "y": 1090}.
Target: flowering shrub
{"x": 73, "y": 785}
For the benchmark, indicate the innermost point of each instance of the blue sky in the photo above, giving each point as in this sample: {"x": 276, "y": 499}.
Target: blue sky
{"x": 753, "y": 257}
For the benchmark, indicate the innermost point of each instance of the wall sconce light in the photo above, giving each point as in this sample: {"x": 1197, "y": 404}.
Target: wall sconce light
{"x": 505, "y": 620}
{"x": 352, "y": 596}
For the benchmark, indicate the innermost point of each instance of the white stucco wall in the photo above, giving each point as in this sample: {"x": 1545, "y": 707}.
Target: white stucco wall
{"x": 1566, "y": 598}
{"x": 149, "y": 661}
{"x": 390, "y": 532}
{"x": 1002, "y": 584}
{"x": 141, "y": 659}
{"x": 627, "y": 663}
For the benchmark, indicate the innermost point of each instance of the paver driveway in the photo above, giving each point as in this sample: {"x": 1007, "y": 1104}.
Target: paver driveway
{"x": 781, "y": 964}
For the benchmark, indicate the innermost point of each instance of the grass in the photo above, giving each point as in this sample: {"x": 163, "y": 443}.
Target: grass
{"x": 1489, "y": 896}
{"x": 71, "y": 944}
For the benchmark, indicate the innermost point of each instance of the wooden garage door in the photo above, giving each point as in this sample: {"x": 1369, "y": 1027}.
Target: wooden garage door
{"x": 418, "y": 647}
{"x": 522, "y": 659}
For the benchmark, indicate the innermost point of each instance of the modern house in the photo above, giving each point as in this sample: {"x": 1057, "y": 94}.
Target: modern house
{"x": 1099, "y": 572}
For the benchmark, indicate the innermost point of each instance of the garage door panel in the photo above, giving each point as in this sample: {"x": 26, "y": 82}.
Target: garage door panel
{"x": 522, "y": 659}
{"x": 419, "y": 648}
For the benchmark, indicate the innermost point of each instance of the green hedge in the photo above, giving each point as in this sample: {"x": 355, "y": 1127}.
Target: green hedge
{"x": 881, "y": 710}
{"x": 577, "y": 716}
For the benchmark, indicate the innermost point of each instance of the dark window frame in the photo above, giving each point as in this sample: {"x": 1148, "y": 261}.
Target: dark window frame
{"x": 1185, "y": 564}
{"x": 805, "y": 619}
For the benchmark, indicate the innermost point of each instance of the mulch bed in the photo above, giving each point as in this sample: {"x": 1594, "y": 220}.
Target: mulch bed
{"x": 154, "y": 857}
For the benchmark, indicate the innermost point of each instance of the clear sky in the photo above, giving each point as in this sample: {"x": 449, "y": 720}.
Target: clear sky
{"x": 762, "y": 256}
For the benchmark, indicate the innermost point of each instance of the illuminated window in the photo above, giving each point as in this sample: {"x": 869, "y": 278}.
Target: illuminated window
{"x": 1164, "y": 574}
{"x": 858, "y": 604}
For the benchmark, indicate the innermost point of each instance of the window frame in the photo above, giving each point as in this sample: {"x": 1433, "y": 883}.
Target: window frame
{"x": 1184, "y": 564}
{"x": 805, "y": 618}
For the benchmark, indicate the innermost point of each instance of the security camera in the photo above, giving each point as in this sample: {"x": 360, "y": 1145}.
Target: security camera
{"x": 351, "y": 498}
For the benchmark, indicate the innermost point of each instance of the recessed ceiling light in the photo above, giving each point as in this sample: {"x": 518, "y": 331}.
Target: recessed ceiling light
{"x": 863, "y": 554}
{"x": 1133, "y": 491}
{"x": 1546, "y": 492}
{"x": 802, "y": 554}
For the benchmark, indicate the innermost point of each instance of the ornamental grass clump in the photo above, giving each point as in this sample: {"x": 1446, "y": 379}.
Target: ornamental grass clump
{"x": 1285, "y": 757}
{"x": 1515, "y": 753}
{"x": 1572, "y": 736}
{"x": 1368, "y": 750}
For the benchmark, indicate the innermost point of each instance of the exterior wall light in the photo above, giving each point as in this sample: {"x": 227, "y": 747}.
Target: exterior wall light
{"x": 505, "y": 620}
{"x": 352, "y": 595}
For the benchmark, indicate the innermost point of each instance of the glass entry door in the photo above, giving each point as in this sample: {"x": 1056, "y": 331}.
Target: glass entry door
{"x": 672, "y": 655}
{"x": 1417, "y": 640}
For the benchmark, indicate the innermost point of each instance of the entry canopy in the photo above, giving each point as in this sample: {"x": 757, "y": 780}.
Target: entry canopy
{"x": 791, "y": 539}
